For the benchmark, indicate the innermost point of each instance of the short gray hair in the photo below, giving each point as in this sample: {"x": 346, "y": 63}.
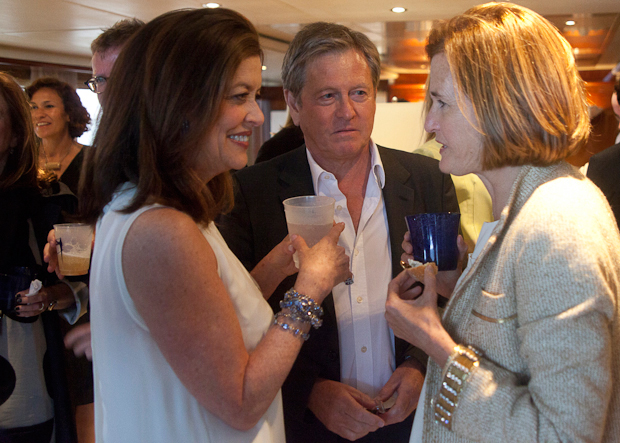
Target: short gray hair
{"x": 321, "y": 38}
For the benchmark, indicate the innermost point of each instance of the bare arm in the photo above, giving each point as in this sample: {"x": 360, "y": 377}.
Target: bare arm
{"x": 233, "y": 384}
{"x": 275, "y": 267}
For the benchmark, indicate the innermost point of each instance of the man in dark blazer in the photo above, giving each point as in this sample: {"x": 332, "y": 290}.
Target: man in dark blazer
{"x": 604, "y": 171}
{"x": 330, "y": 76}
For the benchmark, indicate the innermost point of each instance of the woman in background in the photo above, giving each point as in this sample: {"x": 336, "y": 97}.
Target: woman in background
{"x": 527, "y": 349}
{"x": 59, "y": 119}
{"x": 34, "y": 403}
{"x": 185, "y": 346}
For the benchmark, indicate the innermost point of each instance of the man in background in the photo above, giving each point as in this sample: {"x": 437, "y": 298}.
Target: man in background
{"x": 106, "y": 48}
{"x": 604, "y": 167}
{"x": 330, "y": 76}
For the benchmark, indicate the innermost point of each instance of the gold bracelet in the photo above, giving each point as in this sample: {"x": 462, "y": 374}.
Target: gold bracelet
{"x": 51, "y": 305}
{"x": 461, "y": 363}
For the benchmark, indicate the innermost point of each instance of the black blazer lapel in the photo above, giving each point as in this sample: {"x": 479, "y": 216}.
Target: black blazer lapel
{"x": 295, "y": 178}
{"x": 399, "y": 199}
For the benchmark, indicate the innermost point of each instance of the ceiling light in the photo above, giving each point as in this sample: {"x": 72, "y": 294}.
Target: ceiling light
{"x": 211, "y": 5}
{"x": 398, "y": 9}
{"x": 570, "y": 22}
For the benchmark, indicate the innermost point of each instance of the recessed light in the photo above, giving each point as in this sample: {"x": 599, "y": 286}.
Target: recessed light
{"x": 398, "y": 9}
{"x": 211, "y": 5}
{"x": 570, "y": 22}
{"x": 264, "y": 68}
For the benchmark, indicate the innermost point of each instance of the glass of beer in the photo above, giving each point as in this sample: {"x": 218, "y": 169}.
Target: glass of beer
{"x": 310, "y": 216}
{"x": 73, "y": 245}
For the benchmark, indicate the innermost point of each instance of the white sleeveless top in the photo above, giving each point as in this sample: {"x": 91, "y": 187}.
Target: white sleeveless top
{"x": 138, "y": 397}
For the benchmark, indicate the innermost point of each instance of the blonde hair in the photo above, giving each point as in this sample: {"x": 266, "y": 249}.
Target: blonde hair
{"x": 520, "y": 76}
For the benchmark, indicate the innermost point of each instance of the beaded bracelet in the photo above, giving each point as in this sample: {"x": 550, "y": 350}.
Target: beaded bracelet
{"x": 461, "y": 363}
{"x": 290, "y": 315}
{"x": 295, "y": 331}
{"x": 307, "y": 309}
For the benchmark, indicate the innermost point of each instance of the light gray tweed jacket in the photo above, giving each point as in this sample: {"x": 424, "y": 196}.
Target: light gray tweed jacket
{"x": 541, "y": 303}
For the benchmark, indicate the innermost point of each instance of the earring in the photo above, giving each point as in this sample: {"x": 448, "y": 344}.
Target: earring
{"x": 185, "y": 127}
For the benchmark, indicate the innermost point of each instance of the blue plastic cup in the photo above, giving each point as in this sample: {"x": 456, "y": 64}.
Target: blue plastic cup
{"x": 433, "y": 237}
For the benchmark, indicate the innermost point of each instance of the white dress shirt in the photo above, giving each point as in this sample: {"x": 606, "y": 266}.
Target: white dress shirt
{"x": 366, "y": 342}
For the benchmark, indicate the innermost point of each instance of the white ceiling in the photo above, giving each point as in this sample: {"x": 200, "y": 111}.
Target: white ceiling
{"x": 60, "y": 31}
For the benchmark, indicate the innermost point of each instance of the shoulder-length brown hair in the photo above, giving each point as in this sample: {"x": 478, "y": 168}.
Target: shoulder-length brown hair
{"x": 163, "y": 96}
{"x": 79, "y": 118}
{"x": 21, "y": 165}
{"x": 520, "y": 76}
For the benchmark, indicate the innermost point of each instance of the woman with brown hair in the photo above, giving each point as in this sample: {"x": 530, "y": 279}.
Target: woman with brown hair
{"x": 527, "y": 346}
{"x": 185, "y": 346}
{"x": 34, "y": 403}
{"x": 59, "y": 118}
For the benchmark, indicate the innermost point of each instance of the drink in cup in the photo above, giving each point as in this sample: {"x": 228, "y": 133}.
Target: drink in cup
{"x": 310, "y": 216}
{"x": 433, "y": 238}
{"x": 73, "y": 245}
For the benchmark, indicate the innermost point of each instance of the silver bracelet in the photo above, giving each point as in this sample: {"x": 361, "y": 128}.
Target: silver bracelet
{"x": 304, "y": 307}
{"x": 295, "y": 331}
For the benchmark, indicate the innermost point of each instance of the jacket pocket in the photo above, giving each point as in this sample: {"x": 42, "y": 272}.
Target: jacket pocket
{"x": 495, "y": 308}
{"x": 494, "y": 323}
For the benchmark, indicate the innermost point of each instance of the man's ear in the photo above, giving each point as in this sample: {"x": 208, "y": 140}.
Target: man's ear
{"x": 293, "y": 106}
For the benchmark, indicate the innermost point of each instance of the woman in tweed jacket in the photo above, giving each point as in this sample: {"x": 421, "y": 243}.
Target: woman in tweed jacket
{"x": 527, "y": 349}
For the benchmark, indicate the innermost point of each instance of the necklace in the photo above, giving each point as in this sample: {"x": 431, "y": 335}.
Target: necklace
{"x": 55, "y": 166}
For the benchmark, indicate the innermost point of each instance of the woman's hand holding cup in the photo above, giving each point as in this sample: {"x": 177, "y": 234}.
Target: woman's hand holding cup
{"x": 50, "y": 256}
{"x": 323, "y": 266}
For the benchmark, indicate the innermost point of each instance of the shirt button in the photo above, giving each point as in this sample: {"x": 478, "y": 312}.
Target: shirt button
{"x": 339, "y": 208}
{"x": 359, "y": 299}
{"x": 357, "y": 251}
{"x": 364, "y": 349}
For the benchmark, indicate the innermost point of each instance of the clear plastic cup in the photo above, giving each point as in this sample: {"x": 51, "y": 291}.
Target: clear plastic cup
{"x": 73, "y": 245}
{"x": 310, "y": 216}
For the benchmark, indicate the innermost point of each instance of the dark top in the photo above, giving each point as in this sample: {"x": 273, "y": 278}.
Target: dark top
{"x": 79, "y": 369}
{"x": 413, "y": 184}
{"x": 604, "y": 171}
{"x": 285, "y": 140}
{"x": 71, "y": 176}
{"x": 23, "y": 204}
{"x": 26, "y": 210}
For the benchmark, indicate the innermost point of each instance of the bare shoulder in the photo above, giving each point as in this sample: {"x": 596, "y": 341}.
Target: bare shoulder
{"x": 169, "y": 245}
{"x": 164, "y": 230}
